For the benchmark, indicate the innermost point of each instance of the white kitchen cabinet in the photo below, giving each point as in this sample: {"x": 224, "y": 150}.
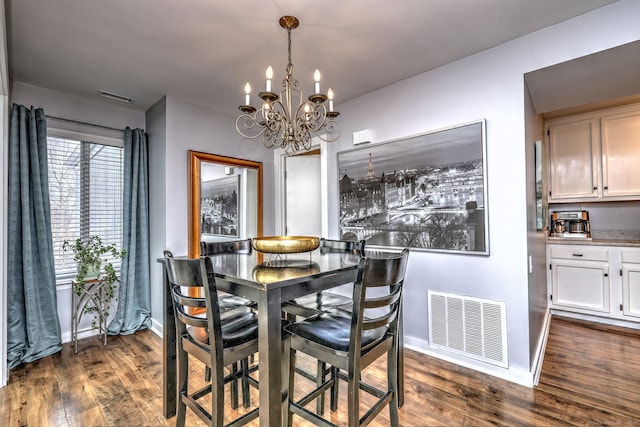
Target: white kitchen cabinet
{"x": 621, "y": 154}
{"x": 602, "y": 281}
{"x": 630, "y": 274}
{"x": 580, "y": 279}
{"x": 594, "y": 156}
{"x": 573, "y": 155}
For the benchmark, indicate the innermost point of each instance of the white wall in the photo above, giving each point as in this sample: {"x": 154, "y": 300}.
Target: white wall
{"x": 488, "y": 85}
{"x": 74, "y": 108}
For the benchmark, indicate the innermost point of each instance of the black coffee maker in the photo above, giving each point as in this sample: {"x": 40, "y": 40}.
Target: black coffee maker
{"x": 571, "y": 224}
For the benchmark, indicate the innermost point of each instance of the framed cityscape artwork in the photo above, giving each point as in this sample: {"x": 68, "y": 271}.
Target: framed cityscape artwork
{"x": 426, "y": 192}
{"x": 219, "y": 206}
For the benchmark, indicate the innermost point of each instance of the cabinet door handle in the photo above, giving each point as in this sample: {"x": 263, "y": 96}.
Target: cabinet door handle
{"x": 606, "y": 188}
{"x": 606, "y": 274}
{"x": 578, "y": 255}
{"x": 595, "y": 188}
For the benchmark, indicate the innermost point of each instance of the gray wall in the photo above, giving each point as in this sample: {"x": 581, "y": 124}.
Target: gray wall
{"x": 490, "y": 86}
{"x": 175, "y": 127}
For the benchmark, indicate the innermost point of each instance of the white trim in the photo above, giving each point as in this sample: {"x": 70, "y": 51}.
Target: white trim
{"x": 83, "y": 136}
{"x": 157, "y": 328}
{"x": 279, "y": 192}
{"x": 631, "y": 324}
{"x": 324, "y": 187}
{"x": 538, "y": 357}
{"x": 514, "y": 375}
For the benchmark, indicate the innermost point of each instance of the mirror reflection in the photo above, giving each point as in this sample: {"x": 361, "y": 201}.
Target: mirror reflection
{"x": 225, "y": 199}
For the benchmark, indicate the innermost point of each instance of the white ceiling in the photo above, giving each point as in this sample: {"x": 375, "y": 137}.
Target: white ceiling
{"x": 203, "y": 51}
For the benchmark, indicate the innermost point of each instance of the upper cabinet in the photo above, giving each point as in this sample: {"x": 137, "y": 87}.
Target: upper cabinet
{"x": 595, "y": 156}
{"x": 620, "y": 154}
{"x": 574, "y": 150}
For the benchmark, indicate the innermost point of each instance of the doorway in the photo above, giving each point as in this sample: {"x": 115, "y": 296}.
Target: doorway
{"x": 303, "y": 195}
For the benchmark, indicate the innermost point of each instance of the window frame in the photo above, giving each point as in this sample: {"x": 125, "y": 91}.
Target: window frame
{"x": 65, "y": 279}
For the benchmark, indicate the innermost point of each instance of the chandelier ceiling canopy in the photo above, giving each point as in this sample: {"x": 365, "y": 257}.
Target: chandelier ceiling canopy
{"x": 287, "y": 120}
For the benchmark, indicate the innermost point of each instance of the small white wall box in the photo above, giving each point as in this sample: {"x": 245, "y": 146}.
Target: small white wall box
{"x": 228, "y": 170}
{"x": 362, "y": 136}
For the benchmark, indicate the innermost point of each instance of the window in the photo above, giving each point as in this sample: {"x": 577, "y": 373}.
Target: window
{"x": 85, "y": 190}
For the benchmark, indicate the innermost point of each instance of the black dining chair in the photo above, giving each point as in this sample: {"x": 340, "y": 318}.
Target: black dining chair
{"x": 312, "y": 304}
{"x": 309, "y": 305}
{"x": 217, "y": 339}
{"x": 351, "y": 341}
{"x": 228, "y": 302}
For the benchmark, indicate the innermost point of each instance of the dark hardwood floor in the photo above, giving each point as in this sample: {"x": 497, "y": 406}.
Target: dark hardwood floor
{"x": 590, "y": 377}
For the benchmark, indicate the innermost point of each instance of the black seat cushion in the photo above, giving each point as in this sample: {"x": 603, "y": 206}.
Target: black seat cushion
{"x": 238, "y": 327}
{"x": 322, "y": 301}
{"x": 228, "y": 302}
{"x": 332, "y": 329}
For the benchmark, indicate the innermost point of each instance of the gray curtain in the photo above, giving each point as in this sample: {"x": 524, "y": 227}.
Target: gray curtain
{"x": 33, "y": 328}
{"x": 134, "y": 300}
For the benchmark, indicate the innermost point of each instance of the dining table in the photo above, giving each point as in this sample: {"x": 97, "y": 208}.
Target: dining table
{"x": 269, "y": 280}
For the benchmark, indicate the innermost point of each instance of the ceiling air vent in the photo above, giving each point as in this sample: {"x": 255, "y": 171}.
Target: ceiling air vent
{"x": 115, "y": 96}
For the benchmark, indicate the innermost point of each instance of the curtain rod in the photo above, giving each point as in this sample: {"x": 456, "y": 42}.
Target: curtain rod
{"x": 82, "y": 123}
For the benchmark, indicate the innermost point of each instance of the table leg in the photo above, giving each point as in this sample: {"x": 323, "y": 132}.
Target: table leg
{"x": 400, "y": 360}
{"x": 270, "y": 354}
{"x": 169, "y": 388}
{"x": 74, "y": 318}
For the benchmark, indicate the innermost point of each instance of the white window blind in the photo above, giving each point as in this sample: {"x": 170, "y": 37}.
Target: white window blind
{"x": 85, "y": 190}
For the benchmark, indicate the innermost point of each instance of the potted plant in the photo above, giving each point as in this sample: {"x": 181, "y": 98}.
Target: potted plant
{"x": 93, "y": 265}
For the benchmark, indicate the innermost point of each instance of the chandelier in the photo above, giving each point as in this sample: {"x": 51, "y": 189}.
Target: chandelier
{"x": 288, "y": 121}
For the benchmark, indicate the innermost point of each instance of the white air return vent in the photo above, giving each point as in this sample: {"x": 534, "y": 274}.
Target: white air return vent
{"x": 472, "y": 327}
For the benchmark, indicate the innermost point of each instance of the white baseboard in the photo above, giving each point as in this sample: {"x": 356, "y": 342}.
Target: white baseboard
{"x": 538, "y": 357}
{"x": 518, "y": 376}
{"x": 156, "y": 327}
{"x": 597, "y": 319}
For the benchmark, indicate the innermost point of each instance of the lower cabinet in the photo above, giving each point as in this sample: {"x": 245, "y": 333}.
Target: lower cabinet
{"x": 595, "y": 280}
{"x": 630, "y": 276}
{"x": 581, "y": 285}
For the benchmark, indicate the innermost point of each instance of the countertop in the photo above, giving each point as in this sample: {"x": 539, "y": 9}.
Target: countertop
{"x": 628, "y": 238}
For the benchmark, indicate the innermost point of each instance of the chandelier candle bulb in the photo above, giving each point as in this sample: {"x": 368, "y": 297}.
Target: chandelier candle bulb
{"x": 247, "y": 92}
{"x": 330, "y": 96}
{"x": 269, "y": 77}
{"x": 316, "y": 77}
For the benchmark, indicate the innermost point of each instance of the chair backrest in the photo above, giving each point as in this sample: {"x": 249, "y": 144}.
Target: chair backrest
{"x": 345, "y": 246}
{"x": 193, "y": 275}
{"x": 377, "y": 297}
{"x": 229, "y": 247}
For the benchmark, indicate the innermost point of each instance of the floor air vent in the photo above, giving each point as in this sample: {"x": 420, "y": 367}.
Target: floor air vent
{"x": 469, "y": 326}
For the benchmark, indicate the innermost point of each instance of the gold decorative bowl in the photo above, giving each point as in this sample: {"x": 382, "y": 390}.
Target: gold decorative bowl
{"x": 285, "y": 244}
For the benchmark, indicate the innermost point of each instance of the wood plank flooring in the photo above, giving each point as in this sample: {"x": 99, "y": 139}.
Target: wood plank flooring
{"x": 590, "y": 377}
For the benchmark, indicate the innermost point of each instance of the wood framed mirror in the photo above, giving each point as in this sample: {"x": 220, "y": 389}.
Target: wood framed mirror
{"x": 225, "y": 199}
